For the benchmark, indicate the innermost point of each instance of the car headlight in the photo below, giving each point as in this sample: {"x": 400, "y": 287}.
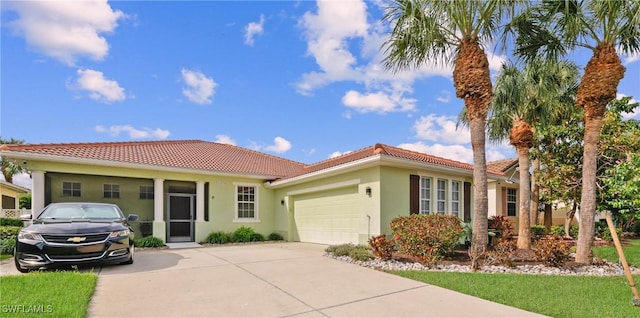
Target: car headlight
{"x": 23, "y": 235}
{"x": 120, "y": 233}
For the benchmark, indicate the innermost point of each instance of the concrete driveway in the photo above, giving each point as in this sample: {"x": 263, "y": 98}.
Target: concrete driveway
{"x": 270, "y": 280}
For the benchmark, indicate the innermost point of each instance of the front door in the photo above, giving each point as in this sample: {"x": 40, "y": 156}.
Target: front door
{"x": 180, "y": 210}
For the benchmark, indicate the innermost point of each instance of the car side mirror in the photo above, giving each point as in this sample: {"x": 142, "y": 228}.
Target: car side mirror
{"x": 25, "y": 217}
{"x": 132, "y": 217}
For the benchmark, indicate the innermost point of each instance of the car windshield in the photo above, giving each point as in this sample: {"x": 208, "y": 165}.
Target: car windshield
{"x": 81, "y": 211}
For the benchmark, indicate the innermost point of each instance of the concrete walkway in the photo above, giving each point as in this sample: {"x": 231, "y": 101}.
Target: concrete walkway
{"x": 268, "y": 280}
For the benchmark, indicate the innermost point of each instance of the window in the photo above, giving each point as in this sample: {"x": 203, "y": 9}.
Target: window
{"x": 71, "y": 189}
{"x": 111, "y": 191}
{"x": 511, "y": 202}
{"x": 425, "y": 195}
{"x": 455, "y": 198}
{"x": 246, "y": 202}
{"x": 146, "y": 192}
{"x": 441, "y": 201}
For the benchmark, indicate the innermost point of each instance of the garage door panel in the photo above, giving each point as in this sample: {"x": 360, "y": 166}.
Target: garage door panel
{"x": 331, "y": 217}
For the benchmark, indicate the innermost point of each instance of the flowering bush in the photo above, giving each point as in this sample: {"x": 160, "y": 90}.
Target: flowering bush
{"x": 381, "y": 246}
{"x": 552, "y": 250}
{"x": 426, "y": 237}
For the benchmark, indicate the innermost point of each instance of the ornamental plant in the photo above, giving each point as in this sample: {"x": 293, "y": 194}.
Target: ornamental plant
{"x": 426, "y": 237}
{"x": 552, "y": 250}
{"x": 381, "y": 246}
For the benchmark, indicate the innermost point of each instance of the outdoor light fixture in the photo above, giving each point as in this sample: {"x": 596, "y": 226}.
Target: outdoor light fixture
{"x": 368, "y": 191}
{"x": 282, "y": 201}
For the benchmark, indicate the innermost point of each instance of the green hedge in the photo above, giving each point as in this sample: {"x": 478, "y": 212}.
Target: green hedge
{"x": 11, "y": 222}
{"x": 9, "y": 231}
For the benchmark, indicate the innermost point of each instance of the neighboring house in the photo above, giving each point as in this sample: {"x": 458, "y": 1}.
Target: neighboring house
{"x": 10, "y": 198}
{"x": 505, "y": 192}
{"x": 190, "y": 188}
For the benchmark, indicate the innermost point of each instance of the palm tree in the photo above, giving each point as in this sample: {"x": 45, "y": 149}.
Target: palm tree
{"x": 9, "y": 168}
{"x": 525, "y": 100}
{"x": 452, "y": 32}
{"x": 554, "y": 28}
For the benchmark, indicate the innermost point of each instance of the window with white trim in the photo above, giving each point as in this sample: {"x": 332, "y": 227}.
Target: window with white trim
{"x": 455, "y": 198}
{"x": 246, "y": 202}
{"x": 441, "y": 200}
{"x": 71, "y": 189}
{"x": 511, "y": 202}
{"x": 111, "y": 191}
{"x": 146, "y": 193}
{"x": 425, "y": 195}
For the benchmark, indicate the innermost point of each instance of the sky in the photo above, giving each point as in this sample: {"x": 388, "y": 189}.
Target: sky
{"x": 302, "y": 80}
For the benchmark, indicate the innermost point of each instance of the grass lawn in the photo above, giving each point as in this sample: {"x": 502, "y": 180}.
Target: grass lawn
{"x": 555, "y": 296}
{"x": 54, "y": 294}
{"x": 631, "y": 253}
{"x": 5, "y": 256}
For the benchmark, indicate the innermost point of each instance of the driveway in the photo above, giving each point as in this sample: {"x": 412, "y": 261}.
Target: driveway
{"x": 271, "y": 280}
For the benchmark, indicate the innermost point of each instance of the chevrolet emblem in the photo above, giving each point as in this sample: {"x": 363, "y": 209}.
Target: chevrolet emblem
{"x": 76, "y": 239}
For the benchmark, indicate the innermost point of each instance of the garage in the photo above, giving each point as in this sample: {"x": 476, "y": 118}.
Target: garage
{"x": 328, "y": 217}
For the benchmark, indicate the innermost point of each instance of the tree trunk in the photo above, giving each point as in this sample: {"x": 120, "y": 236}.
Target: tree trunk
{"x": 524, "y": 227}
{"x": 597, "y": 88}
{"x": 473, "y": 84}
{"x": 548, "y": 216}
{"x": 535, "y": 193}
{"x": 568, "y": 219}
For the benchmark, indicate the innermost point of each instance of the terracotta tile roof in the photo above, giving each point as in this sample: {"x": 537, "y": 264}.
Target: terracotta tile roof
{"x": 188, "y": 154}
{"x": 502, "y": 165}
{"x": 211, "y": 156}
{"x": 391, "y": 152}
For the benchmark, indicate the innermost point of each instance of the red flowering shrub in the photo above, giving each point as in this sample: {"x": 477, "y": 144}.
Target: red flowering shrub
{"x": 553, "y": 250}
{"x": 426, "y": 237}
{"x": 381, "y": 246}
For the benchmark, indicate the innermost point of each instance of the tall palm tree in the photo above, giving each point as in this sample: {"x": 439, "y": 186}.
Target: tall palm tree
{"x": 9, "y": 168}
{"x": 554, "y": 28}
{"x": 452, "y": 32}
{"x": 525, "y": 100}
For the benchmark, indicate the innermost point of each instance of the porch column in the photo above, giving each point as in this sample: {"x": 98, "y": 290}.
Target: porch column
{"x": 37, "y": 192}
{"x": 200, "y": 201}
{"x": 158, "y": 200}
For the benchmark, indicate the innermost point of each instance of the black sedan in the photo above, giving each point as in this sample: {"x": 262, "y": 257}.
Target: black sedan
{"x": 75, "y": 233}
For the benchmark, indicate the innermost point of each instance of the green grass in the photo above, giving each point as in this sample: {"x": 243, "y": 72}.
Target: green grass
{"x": 53, "y": 294}
{"x": 555, "y": 296}
{"x": 5, "y": 256}
{"x": 631, "y": 253}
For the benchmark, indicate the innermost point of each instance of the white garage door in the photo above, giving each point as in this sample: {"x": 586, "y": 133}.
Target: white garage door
{"x": 328, "y": 217}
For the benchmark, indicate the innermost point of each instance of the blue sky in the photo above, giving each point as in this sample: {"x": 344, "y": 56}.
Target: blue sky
{"x": 297, "y": 79}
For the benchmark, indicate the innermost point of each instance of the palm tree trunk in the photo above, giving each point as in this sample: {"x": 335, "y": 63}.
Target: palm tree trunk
{"x": 524, "y": 227}
{"x": 479, "y": 239}
{"x": 597, "y": 88}
{"x": 535, "y": 193}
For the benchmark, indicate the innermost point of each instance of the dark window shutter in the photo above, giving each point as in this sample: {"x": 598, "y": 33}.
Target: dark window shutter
{"x": 504, "y": 201}
{"x": 414, "y": 194}
{"x": 467, "y": 202}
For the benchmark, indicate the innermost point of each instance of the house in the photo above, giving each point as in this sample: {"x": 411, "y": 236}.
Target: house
{"x": 187, "y": 189}
{"x": 10, "y": 198}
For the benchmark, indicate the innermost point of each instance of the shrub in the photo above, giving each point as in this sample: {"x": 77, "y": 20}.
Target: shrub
{"x": 381, "y": 247}
{"x": 501, "y": 253}
{"x": 242, "y": 234}
{"x": 275, "y": 236}
{"x": 7, "y": 246}
{"x": 605, "y": 234}
{"x": 9, "y": 231}
{"x": 501, "y": 226}
{"x": 256, "y": 237}
{"x": 552, "y": 250}
{"x": 149, "y": 241}
{"x": 538, "y": 231}
{"x": 558, "y": 230}
{"x": 361, "y": 253}
{"x": 340, "y": 250}
{"x": 11, "y": 222}
{"x": 217, "y": 238}
{"x": 426, "y": 237}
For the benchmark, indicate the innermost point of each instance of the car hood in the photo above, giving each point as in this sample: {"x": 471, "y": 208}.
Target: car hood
{"x": 76, "y": 227}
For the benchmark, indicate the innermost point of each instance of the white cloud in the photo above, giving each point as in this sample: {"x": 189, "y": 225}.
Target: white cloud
{"x": 22, "y": 179}
{"x": 65, "y": 30}
{"x": 134, "y": 133}
{"x": 628, "y": 59}
{"x": 252, "y": 29}
{"x": 379, "y": 102}
{"x": 441, "y": 129}
{"x": 224, "y": 139}
{"x": 99, "y": 88}
{"x": 444, "y": 97}
{"x": 280, "y": 145}
{"x": 636, "y": 111}
{"x": 453, "y": 152}
{"x": 200, "y": 89}
{"x": 338, "y": 153}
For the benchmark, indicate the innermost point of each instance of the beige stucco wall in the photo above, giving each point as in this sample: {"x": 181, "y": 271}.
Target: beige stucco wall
{"x": 9, "y": 192}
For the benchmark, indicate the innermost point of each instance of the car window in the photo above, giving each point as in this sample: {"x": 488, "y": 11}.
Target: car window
{"x": 81, "y": 212}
